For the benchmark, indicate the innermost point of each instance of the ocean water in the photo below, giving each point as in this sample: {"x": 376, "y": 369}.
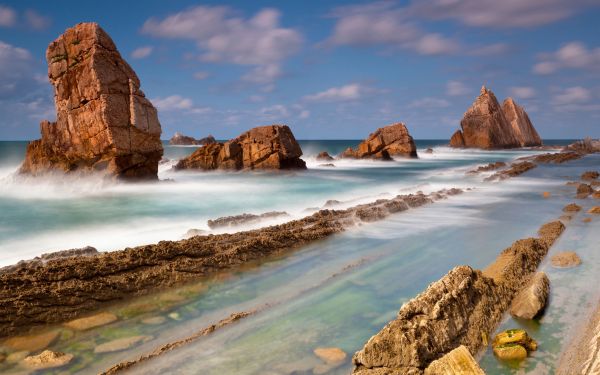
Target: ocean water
{"x": 334, "y": 293}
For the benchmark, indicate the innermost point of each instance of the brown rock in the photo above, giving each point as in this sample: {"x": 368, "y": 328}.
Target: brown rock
{"x": 104, "y": 122}
{"x": 391, "y": 140}
{"x": 31, "y": 343}
{"x": 566, "y": 259}
{"x": 531, "y": 300}
{"x": 93, "y": 321}
{"x": 572, "y": 207}
{"x": 522, "y": 127}
{"x": 47, "y": 359}
{"x": 183, "y": 140}
{"x": 590, "y": 175}
{"x": 121, "y": 344}
{"x": 457, "y": 362}
{"x": 584, "y": 190}
{"x": 457, "y": 140}
{"x": 546, "y": 194}
{"x": 594, "y": 210}
{"x": 264, "y": 147}
{"x": 324, "y": 156}
{"x": 330, "y": 355}
{"x": 557, "y": 157}
{"x": 596, "y": 194}
{"x": 587, "y": 220}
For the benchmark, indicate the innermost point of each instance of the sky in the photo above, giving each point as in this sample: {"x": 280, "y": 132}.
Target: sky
{"x": 329, "y": 69}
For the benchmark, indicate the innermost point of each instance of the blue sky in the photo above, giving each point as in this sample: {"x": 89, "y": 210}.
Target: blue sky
{"x": 334, "y": 69}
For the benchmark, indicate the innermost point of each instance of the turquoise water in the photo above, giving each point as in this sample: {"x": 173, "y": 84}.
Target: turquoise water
{"x": 337, "y": 292}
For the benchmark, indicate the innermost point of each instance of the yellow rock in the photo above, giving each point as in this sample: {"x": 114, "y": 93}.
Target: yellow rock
{"x": 91, "y": 321}
{"x": 330, "y": 355}
{"x": 518, "y": 336}
{"x": 457, "y": 362}
{"x": 31, "y": 343}
{"x": 510, "y": 351}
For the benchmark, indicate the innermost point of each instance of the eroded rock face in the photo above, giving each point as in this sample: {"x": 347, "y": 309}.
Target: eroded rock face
{"x": 104, "y": 122}
{"x": 488, "y": 125}
{"x": 384, "y": 143}
{"x": 264, "y": 147}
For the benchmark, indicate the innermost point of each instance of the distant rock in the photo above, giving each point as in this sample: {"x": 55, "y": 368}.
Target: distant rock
{"x": 384, "y": 143}
{"x": 41, "y": 260}
{"x": 531, "y": 300}
{"x": 572, "y": 207}
{"x": 590, "y": 175}
{"x": 488, "y": 125}
{"x": 457, "y": 362}
{"x": 565, "y": 259}
{"x": 33, "y": 342}
{"x": 324, "y": 156}
{"x": 330, "y": 355}
{"x": 264, "y": 147}
{"x": 104, "y": 122}
{"x": 513, "y": 344}
{"x": 121, "y": 344}
{"x": 584, "y": 190}
{"x": 47, "y": 359}
{"x": 183, "y": 140}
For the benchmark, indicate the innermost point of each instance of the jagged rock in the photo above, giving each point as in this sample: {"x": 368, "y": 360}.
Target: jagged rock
{"x": 104, "y": 121}
{"x": 184, "y": 140}
{"x": 33, "y": 342}
{"x": 121, "y": 344}
{"x": 531, "y": 300}
{"x": 557, "y": 157}
{"x": 47, "y": 359}
{"x": 572, "y": 207}
{"x": 264, "y": 147}
{"x": 93, "y": 321}
{"x": 384, "y": 143}
{"x": 566, "y": 259}
{"x": 457, "y": 362}
{"x": 584, "y": 190}
{"x": 590, "y": 175}
{"x": 324, "y": 156}
{"x": 487, "y": 125}
{"x": 429, "y": 150}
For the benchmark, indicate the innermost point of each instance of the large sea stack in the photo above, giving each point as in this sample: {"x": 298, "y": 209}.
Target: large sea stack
{"x": 263, "y": 147}
{"x": 384, "y": 143}
{"x": 488, "y": 125}
{"x": 104, "y": 123}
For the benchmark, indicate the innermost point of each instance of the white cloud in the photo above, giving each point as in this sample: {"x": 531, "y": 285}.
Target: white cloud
{"x": 436, "y": 44}
{"x": 16, "y": 72}
{"x": 489, "y": 50}
{"x": 499, "y": 14}
{"x": 201, "y": 75}
{"x": 275, "y": 112}
{"x": 573, "y": 55}
{"x": 523, "y": 92}
{"x": 35, "y": 20}
{"x": 8, "y": 17}
{"x": 223, "y": 36}
{"x": 456, "y": 88}
{"x": 142, "y": 52}
{"x": 352, "y": 91}
{"x": 304, "y": 114}
{"x": 572, "y": 95}
{"x": 429, "y": 102}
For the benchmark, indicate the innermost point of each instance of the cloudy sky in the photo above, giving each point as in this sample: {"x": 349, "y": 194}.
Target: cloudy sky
{"x": 334, "y": 69}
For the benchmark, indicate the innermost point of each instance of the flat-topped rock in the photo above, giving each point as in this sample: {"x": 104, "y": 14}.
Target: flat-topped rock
{"x": 93, "y": 321}
{"x": 521, "y": 125}
{"x": 264, "y": 147}
{"x": 385, "y": 143}
{"x": 104, "y": 123}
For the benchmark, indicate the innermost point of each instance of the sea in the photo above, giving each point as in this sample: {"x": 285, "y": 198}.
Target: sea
{"x": 337, "y": 292}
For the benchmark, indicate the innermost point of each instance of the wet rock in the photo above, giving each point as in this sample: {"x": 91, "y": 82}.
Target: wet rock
{"x": 32, "y": 343}
{"x": 546, "y": 194}
{"x": 510, "y": 352}
{"x": 93, "y": 321}
{"x": 594, "y": 210}
{"x": 332, "y": 203}
{"x": 154, "y": 320}
{"x": 121, "y": 344}
{"x": 47, "y": 359}
{"x": 513, "y": 344}
{"x": 104, "y": 122}
{"x": 590, "y": 175}
{"x": 487, "y": 168}
{"x": 232, "y": 221}
{"x": 584, "y": 190}
{"x": 515, "y": 169}
{"x": 457, "y": 362}
{"x": 330, "y": 355}
{"x": 264, "y": 147}
{"x": 531, "y": 300}
{"x": 324, "y": 156}
{"x": 557, "y": 158}
{"x": 384, "y": 143}
{"x": 520, "y": 123}
{"x": 596, "y": 194}
{"x": 585, "y": 146}
{"x": 566, "y": 259}
{"x": 184, "y": 140}
{"x": 572, "y": 207}
{"x": 587, "y": 220}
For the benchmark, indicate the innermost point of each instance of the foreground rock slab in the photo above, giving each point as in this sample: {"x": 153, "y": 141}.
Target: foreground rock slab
{"x": 31, "y": 343}
{"x": 104, "y": 123}
{"x": 384, "y": 143}
{"x": 457, "y": 362}
{"x": 531, "y": 300}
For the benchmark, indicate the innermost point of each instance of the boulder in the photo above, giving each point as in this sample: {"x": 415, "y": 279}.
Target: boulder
{"x": 264, "y": 147}
{"x": 585, "y": 146}
{"x": 324, "y": 156}
{"x": 531, "y": 300}
{"x": 183, "y": 140}
{"x": 584, "y": 190}
{"x": 384, "y": 143}
{"x": 513, "y": 344}
{"x": 565, "y": 259}
{"x": 104, "y": 122}
{"x": 330, "y": 355}
{"x": 594, "y": 210}
{"x": 47, "y": 359}
{"x": 488, "y": 125}
{"x": 93, "y": 321}
{"x": 590, "y": 175}
{"x": 572, "y": 207}
{"x": 457, "y": 362}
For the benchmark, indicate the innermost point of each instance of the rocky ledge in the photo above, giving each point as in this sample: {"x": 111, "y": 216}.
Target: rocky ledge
{"x": 104, "y": 123}
{"x": 462, "y": 308}
{"x": 264, "y": 147}
{"x": 384, "y": 143}
{"x": 183, "y": 140}
{"x": 488, "y": 125}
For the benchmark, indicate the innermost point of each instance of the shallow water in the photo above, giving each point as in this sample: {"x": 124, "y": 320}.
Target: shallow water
{"x": 337, "y": 292}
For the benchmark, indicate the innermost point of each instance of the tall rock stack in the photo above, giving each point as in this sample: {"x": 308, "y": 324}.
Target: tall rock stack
{"x": 488, "y": 125}
{"x": 104, "y": 123}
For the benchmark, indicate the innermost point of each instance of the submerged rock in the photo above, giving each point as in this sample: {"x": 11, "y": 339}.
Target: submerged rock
{"x": 47, "y": 359}
{"x": 93, "y": 321}
{"x": 457, "y": 362}
{"x": 572, "y": 207}
{"x": 232, "y": 221}
{"x": 384, "y": 143}
{"x": 584, "y": 190}
{"x": 557, "y": 157}
{"x": 566, "y": 259}
{"x": 522, "y": 127}
{"x": 32, "y": 343}
{"x": 104, "y": 122}
{"x": 183, "y": 140}
{"x": 121, "y": 344}
{"x": 324, "y": 156}
{"x": 590, "y": 175}
{"x": 531, "y": 300}
{"x": 264, "y": 147}
{"x": 429, "y": 150}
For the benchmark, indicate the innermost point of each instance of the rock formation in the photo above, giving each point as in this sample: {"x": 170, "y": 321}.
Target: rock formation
{"x": 264, "y": 147}
{"x": 531, "y": 300}
{"x": 384, "y": 143}
{"x": 513, "y": 345}
{"x": 104, "y": 122}
{"x": 183, "y": 140}
{"x": 488, "y": 125}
